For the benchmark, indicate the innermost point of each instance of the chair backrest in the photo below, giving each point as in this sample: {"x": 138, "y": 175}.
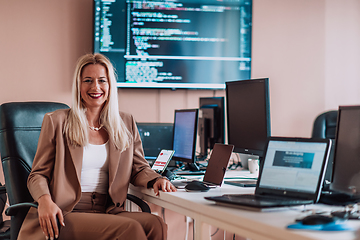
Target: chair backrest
{"x": 325, "y": 125}
{"x": 20, "y": 125}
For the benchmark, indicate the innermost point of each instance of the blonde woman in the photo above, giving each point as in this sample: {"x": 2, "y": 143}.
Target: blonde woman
{"x": 86, "y": 158}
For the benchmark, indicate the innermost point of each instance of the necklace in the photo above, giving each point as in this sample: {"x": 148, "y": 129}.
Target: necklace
{"x": 96, "y": 128}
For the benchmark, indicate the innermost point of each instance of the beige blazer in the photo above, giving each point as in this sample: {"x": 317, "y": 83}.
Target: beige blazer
{"x": 57, "y": 167}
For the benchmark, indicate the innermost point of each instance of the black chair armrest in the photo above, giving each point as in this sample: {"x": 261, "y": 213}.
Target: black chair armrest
{"x": 2, "y": 189}
{"x": 14, "y": 209}
{"x": 138, "y": 201}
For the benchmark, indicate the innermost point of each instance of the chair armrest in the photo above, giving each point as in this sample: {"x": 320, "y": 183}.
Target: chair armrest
{"x": 138, "y": 201}
{"x": 2, "y": 189}
{"x": 14, "y": 209}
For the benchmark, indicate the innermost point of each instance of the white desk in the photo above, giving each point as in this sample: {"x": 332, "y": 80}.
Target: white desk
{"x": 250, "y": 224}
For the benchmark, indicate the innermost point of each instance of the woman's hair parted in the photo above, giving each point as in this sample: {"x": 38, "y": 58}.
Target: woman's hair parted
{"x": 76, "y": 126}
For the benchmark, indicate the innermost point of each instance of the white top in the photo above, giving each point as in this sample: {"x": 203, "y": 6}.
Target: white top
{"x": 95, "y": 168}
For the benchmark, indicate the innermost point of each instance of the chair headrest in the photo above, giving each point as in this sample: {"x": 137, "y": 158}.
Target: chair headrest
{"x": 25, "y": 114}
{"x": 20, "y": 126}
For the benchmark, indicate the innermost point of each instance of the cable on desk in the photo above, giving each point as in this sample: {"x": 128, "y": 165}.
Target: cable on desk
{"x": 188, "y": 220}
{"x": 235, "y": 164}
{"x": 163, "y": 214}
{"x": 214, "y": 232}
{"x": 200, "y": 157}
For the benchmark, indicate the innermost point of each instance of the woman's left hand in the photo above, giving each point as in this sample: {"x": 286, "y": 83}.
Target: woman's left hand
{"x": 164, "y": 185}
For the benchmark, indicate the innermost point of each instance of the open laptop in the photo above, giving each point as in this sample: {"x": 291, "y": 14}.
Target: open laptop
{"x": 216, "y": 167}
{"x": 292, "y": 173}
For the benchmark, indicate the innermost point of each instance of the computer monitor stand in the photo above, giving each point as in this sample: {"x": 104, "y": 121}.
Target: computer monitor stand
{"x": 193, "y": 167}
{"x": 169, "y": 174}
{"x": 338, "y": 198}
{"x": 244, "y": 158}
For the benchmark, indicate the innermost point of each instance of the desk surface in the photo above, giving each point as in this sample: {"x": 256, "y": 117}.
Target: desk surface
{"x": 246, "y": 223}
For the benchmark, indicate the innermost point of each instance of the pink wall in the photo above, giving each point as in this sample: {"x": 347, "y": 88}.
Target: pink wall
{"x": 342, "y": 57}
{"x": 288, "y": 47}
{"x": 40, "y": 43}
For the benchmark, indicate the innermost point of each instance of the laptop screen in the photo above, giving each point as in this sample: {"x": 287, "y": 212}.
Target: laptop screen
{"x": 293, "y": 165}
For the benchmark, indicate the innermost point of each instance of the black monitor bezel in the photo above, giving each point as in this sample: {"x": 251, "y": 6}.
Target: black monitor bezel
{"x": 246, "y": 150}
{"x": 182, "y": 159}
{"x": 141, "y": 125}
{"x": 213, "y": 102}
{"x": 171, "y": 85}
{"x": 336, "y": 161}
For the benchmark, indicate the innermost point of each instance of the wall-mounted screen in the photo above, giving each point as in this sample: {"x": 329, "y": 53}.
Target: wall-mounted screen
{"x": 196, "y": 44}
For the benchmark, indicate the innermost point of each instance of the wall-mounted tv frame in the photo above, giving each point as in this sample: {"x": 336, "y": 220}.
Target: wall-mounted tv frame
{"x": 191, "y": 44}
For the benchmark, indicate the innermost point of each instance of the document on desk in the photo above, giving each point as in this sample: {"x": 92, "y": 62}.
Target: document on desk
{"x": 292, "y": 173}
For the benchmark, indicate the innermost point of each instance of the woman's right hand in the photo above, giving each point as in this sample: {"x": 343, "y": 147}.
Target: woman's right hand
{"x": 48, "y": 211}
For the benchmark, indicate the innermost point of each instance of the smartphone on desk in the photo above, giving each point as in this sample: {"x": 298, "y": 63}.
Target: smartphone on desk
{"x": 162, "y": 160}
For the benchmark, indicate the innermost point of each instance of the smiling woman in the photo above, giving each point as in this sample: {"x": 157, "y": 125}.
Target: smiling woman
{"x": 90, "y": 154}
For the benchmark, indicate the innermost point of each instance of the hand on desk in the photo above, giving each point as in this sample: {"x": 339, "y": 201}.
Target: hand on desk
{"x": 164, "y": 185}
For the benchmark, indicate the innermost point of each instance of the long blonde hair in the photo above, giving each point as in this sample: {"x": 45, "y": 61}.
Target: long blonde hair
{"x": 76, "y": 126}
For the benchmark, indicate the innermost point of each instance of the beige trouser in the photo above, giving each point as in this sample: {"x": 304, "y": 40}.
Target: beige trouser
{"x": 89, "y": 221}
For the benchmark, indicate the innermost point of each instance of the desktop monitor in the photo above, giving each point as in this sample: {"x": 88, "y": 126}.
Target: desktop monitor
{"x": 184, "y": 140}
{"x": 248, "y": 115}
{"x": 346, "y": 163}
{"x": 155, "y": 137}
{"x": 211, "y": 123}
{"x": 194, "y": 44}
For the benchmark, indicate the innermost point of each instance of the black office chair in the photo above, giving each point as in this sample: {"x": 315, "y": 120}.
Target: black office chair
{"x": 20, "y": 125}
{"x": 325, "y": 125}
{"x": 4, "y": 225}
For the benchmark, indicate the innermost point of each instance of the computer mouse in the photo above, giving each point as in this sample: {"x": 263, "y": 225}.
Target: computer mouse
{"x": 196, "y": 186}
{"x": 317, "y": 219}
